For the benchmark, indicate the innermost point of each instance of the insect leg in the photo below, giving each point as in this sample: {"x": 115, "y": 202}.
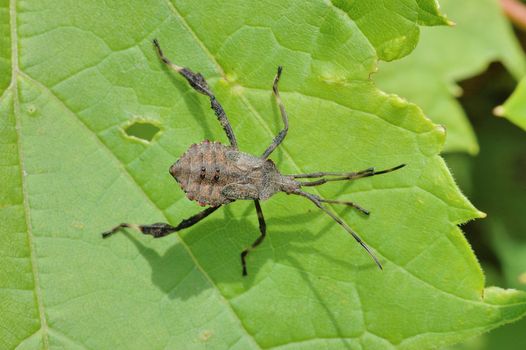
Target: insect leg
{"x": 161, "y": 229}
{"x": 317, "y": 202}
{"x": 262, "y": 229}
{"x": 350, "y": 204}
{"x": 279, "y": 138}
{"x": 199, "y": 84}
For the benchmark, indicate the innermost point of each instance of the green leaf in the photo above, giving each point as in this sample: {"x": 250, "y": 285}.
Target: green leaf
{"x": 512, "y": 255}
{"x": 501, "y": 193}
{"x": 495, "y": 177}
{"x": 515, "y": 107}
{"x": 445, "y": 55}
{"x": 5, "y": 46}
{"x": 392, "y": 26}
{"x": 83, "y": 73}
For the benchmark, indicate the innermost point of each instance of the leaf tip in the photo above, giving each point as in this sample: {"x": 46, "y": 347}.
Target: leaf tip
{"x": 457, "y": 91}
{"x": 441, "y": 133}
{"x": 499, "y": 111}
{"x": 481, "y": 214}
{"x": 440, "y": 129}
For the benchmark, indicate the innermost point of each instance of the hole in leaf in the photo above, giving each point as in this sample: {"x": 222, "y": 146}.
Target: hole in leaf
{"x": 142, "y": 130}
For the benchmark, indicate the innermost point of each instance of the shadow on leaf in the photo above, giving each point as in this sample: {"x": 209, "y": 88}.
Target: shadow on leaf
{"x": 216, "y": 252}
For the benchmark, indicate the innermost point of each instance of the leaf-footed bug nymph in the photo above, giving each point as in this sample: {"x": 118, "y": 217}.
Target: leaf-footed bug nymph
{"x": 214, "y": 174}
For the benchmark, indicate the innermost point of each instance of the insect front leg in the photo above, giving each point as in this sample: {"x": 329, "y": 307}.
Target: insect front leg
{"x": 281, "y": 136}
{"x": 161, "y": 229}
{"x": 199, "y": 84}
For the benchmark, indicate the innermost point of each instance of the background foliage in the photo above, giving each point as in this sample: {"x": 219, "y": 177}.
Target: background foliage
{"x": 91, "y": 120}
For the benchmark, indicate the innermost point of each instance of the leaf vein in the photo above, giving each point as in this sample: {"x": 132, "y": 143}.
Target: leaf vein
{"x": 16, "y": 110}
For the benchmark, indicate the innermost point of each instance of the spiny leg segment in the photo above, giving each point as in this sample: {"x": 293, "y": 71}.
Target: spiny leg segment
{"x": 161, "y": 229}
{"x": 281, "y": 135}
{"x": 262, "y": 229}
{"x": 198, "y": 82}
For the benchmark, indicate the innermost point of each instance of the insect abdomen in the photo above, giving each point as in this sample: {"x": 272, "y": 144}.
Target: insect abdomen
{"x": 202, "y": 173}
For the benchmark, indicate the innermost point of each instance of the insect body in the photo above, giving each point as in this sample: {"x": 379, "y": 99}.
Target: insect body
{"x": 214, "y": 174}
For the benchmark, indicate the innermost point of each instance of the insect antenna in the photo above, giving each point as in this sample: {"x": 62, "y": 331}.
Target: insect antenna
{"x": 317, "y": 201}
{"x": 335, "y": 176}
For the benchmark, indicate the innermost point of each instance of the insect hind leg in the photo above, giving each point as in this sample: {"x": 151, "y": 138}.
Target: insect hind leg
{"x": 156, "y": 230}
{"x": 162, "y": 229}
{"x": 317, "y": 202}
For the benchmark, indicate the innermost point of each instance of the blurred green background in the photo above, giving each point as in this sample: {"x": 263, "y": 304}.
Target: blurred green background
{"x": 461, "y": 76}
{"x": 495, "y": 181}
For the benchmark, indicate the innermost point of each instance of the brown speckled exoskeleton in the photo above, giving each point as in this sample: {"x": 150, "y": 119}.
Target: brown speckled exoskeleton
{"x": 214, "y": 174}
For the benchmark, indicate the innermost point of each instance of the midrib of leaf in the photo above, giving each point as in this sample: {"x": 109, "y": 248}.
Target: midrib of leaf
{"x": 27, "y": 212}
